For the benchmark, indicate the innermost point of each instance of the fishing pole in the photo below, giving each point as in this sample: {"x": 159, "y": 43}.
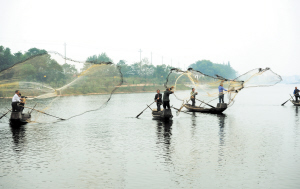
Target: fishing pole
{"x": 5, "y": 114}
{"x": 286, "y": 101}
{"x": 43, "y": 112}
{"x": 180, "y": 111}
{"x": 205, "y": 103}
{"x": 144, "y": 110}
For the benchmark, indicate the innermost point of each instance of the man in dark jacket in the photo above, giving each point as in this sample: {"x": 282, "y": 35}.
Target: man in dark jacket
{"x": 158, "y": 99}
{"x": 296, "y": 93}
{"x": 166, "y": 100}
{"x": 193, "y": 96}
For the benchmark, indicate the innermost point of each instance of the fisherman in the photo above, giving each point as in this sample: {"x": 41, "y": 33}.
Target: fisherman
{"x": 221, "y": 94}
{"x": 296, "y": 93}
{"x": 15, "y": 100}
{"x": 22, "y": 102}
{"x": 193, "y": 98}
{"x": 158, "y": 99}
{"x": 166, "y": 100}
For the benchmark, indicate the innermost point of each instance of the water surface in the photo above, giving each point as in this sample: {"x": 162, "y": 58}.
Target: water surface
{"x": 254, "y": 144}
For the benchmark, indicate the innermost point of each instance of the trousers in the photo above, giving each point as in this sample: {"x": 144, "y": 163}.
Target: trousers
{"x": 15, "y": 107}
{"x": 221, "y": 98}
{"x": 158, "y": 104}
{"x": 166, "y": 104}
{"x": 193, "y": 101}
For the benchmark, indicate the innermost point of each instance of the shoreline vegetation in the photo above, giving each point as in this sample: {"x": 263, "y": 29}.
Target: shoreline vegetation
{"x": 123, "y": 89}
{"x": 43, "y": 73}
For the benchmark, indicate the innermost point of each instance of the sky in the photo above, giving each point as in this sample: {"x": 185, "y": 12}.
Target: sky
{"x": 247, "y": 33}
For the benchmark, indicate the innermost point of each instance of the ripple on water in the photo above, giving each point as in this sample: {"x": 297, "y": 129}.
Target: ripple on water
{"x": 252, "y": 145}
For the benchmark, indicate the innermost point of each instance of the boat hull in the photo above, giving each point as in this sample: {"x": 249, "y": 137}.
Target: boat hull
{"x": 221, "y": 107}
{"x": 296, "y": 103}
{"x": 18, "y": 118}
{"x": 162, "y": 115}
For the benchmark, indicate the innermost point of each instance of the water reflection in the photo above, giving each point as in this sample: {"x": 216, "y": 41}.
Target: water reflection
{"x": 194, "y": 123}
{"x": 18, "y": 136}
{"x": 221, "y": 119}
{"x": 164, "y": 134}
{"x": 297, "y": 119}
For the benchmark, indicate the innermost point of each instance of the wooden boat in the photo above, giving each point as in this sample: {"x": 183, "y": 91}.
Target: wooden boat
{"x": 162, "y": 115}
{"x": 221, "y": 107}
{"x": 295, "y": 103}
{"x": 19, "y": 118}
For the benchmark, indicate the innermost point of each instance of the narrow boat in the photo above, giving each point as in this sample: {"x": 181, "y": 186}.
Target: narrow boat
{"x": 295, "y": 103}
{"x": 19, "y": 118}
{"x": 165, "y": 114}
{"x": 221, "y": 107}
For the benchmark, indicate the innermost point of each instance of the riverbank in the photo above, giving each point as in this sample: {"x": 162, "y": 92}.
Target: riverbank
{"x": 123, "y": 89}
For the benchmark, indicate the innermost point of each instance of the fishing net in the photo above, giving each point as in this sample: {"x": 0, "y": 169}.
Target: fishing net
{"x": 60, "y": 86}
{"x": 207, "y": 86}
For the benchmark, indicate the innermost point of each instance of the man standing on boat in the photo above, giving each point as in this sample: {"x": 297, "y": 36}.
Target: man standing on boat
{"x": 22, "y": 102}
{"x": 166, "y": 100}
{"x": 158, "y": 100}
{"x": 193, "y": 96}
{"x": 221, "y": 93}
{"x": 15, "y": 100}
{"x": 296, "y": 93}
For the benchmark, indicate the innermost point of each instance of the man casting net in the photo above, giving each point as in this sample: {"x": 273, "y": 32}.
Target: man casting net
{"x": 211, "y": 89}
{"x": 54, "y": 85}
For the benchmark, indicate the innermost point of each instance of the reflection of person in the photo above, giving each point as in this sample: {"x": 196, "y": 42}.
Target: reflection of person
{"x": 166, "y": 100}
{"x": 221, "y": 94}
{"x": 296, "y": 93}
{"x": 15, "y": 100}
{"x": 193, "y": 98}
{"x": 158, "y": 100}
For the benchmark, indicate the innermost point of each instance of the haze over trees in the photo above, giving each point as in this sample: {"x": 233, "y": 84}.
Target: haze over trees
{"x": 136, "y": 73}
{"x": 212, "y": 69}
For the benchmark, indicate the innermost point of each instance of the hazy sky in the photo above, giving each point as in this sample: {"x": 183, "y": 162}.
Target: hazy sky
{"x": 248, "y": 33}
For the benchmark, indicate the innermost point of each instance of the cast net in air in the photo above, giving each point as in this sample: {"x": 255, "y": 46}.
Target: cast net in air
{"x": 59, "y": 86}
{"x": 207, "y": 86}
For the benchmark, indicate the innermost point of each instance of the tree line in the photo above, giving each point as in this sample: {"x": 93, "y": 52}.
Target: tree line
{"x": 7, "y": 59}
{"x": 138, "y": 72}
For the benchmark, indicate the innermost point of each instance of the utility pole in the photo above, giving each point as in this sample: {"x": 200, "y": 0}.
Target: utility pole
{"x": 65, "y": 53}
{"x": 140, "y": 55}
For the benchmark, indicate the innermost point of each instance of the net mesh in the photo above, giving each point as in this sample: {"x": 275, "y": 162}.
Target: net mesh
{"x": 48, "y": 77}
{"x": 207, "y": 86}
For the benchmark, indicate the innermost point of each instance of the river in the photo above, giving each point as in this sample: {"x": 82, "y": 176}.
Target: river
{"x": 254, "y": 144}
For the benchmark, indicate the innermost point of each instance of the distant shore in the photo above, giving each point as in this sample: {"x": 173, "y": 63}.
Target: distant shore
{"x": 123, "y": 89}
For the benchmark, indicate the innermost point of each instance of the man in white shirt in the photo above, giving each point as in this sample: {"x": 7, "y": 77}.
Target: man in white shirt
{"x": 15, "y": 100}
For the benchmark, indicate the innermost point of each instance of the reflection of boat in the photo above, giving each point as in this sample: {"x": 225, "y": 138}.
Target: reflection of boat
{"x": 221, "y": 107}
{"x": 165, "y": 114}
{"x": 295, "y": 103}
{"x": 19, "y": 118}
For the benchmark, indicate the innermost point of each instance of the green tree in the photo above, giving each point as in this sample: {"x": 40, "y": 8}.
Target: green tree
{"x": 212, "y": 69}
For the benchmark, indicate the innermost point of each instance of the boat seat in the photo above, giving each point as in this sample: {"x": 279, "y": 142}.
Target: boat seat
{"x": 155, "y": 109}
